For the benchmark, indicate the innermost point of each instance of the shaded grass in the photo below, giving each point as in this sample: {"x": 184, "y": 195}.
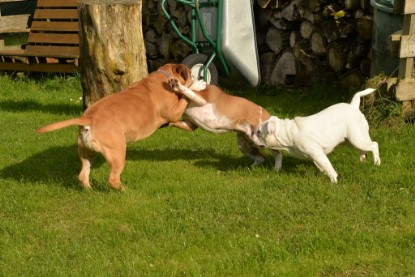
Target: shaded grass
{"x": 194, "y": 206}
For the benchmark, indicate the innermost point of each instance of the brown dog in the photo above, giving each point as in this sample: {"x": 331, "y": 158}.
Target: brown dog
{"x": 132, "y": 114}
{"x": 217, "y": 112}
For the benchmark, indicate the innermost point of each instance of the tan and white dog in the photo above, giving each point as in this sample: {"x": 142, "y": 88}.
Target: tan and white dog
{"x": 130, "y": 115}
{"x": 315, "y": 136}
{"x": 217, "y": 112}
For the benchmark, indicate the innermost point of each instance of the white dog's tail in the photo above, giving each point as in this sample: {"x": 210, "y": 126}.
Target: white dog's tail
{"x": 356, "y": 98}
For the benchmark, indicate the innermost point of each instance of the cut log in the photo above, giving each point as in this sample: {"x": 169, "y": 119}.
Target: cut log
{"x": 300, "y": 48}
{"x": 276, "y": 4}
{"x": 305, "y": 68}
{"x": 359, "y": 13}
{"x": 264, "y": 18}
{"x": 313, "y": 5}
{"x": 313, "y": 17}
{"x": 151, "y": 50}
{"x": 360, "y": 46}
{"x": 295, "y": 36}
{"x": 352, "y": 79}
{"x": 330, "y": 30}
{"x": 346, "y": 28}
{"x": 352, "y": 4}
{"x": 180, "y": 49}
{"x": 364, "y": 26}
{"x": 329, "y": 10}
{"x": 284, "y": 71}
{"x": 365, "y": 5}
{"x": 281, "y": 23}
{"x": 318, "y": 43}
{"x": 364, "y": 66}
{"x": 277, "y": 40}
{"x": 160, "y": 23}
{"x": 263, "y": 3}
{"x": 151, "y": 35}
{"x": 306, "y": 28}
{"x": 291, "y": 12}
{"x": 113, "y": 55}
{"x": 267, "y": 64}
{"x": 164, "y": 45}
{"x": 337, "y": 53}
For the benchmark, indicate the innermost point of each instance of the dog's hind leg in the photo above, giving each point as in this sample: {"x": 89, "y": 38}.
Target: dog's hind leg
{"x": 86, "y": 154}
{"x": 370, "y": 147}
{"x": 359, "y": 137}
{"x": 364, "y": 143}
{"x": 87, "y": 158}
{"x": 116, "y": 160}
{"x": 247, "y": 147}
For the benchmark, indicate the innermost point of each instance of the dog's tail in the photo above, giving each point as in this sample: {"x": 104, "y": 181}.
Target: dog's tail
{"x": 356, "y": 98}
{"x": 63, "y": 124}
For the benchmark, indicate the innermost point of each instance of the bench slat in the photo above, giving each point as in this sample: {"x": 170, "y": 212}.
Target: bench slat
{"x": 52, "y": 51}
{"x": 53, "y": 38}
{"x": 55, "y": 26}
{"x": 39, "y": 67}
{"x": 57, "y": 3}
{"x": 56, "y": 14}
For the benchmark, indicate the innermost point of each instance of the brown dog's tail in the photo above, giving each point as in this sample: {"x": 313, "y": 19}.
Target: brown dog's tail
{"x": 63, "y": 124}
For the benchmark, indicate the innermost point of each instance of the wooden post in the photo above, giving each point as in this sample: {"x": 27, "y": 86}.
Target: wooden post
{"x": 112, "y": 47}
{"x": 406, "y": 81}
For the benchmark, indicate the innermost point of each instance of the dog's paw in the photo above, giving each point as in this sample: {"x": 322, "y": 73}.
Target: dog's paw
{"x": 173, "y": 83}
{"x": 198, "y": 85}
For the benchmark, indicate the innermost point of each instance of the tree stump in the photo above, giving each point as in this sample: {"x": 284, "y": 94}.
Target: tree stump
{"x": 112, "y": 47}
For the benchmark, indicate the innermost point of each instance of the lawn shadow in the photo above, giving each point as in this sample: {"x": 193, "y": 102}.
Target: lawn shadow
{"x": 62, "y": 165}
{"x": 201, "y": 157}
{"x": 29, "y": 105}
{"x": 57, "y": 164}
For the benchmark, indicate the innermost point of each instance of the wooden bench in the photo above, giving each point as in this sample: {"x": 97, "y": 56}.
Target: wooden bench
{"x": 53, "y": 41}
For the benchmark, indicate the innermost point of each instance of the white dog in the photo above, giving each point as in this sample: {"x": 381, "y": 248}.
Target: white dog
{"x": 315, "y": 136}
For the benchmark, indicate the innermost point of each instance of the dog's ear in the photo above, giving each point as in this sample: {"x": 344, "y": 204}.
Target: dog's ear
{"x": 184, "y": 72}
{"x": 271, "y": 127}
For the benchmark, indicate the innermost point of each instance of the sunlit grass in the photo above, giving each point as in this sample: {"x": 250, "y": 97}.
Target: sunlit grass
{"x": 194, "y": 206}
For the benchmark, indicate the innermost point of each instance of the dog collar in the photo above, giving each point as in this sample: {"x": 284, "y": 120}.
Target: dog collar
{"x": 165, "y": 73}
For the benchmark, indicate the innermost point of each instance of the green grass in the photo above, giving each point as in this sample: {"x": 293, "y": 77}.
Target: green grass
{"x": 193, "y": 205}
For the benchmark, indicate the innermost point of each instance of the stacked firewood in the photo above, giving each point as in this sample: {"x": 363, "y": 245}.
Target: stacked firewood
{"x": 161, "y": 41}
{"x": 307, "y": 42}
{"x": 301, "y": 42}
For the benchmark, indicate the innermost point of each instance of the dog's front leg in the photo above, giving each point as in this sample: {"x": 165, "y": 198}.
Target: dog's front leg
{"x": 177, "y": 111}
{"x": 323, "y": 164}
{"x": 278, "y": 159}
{"x": 187, "y": 92}
{"x": 246, "y": 146}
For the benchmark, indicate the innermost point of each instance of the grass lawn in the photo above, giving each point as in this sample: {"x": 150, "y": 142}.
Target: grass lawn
{"x": 193, "y": 205}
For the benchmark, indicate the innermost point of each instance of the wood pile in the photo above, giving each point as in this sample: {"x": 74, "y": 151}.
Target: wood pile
{"x": 300, "y": 42}
{"x": 162, "y": 43}
{"x": 325, "y": 40}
